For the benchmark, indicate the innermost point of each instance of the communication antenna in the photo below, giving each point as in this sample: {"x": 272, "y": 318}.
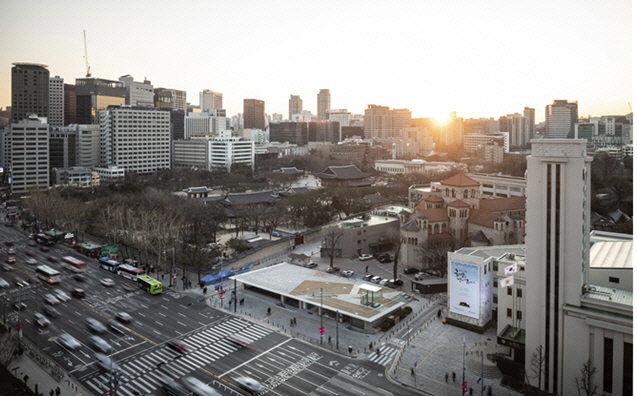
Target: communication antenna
{"x": 88, "y": 68}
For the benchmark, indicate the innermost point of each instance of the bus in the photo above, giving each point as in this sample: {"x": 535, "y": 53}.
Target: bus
{"x": 108, "y": 264}
{"x": 74, "y": 264}
{"x": 48, "y": 274}
{"x": 130, "y": 272}
{"x": 149, "y": 284}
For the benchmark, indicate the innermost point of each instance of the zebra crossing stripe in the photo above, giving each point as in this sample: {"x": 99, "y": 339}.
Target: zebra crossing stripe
{"x": 99, "y": 391}
{"x": 195, "y": 358}
{"x": 144, "y": 385}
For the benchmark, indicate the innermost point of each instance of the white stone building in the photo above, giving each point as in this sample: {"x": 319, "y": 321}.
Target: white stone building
{"x": 29, "y": 155}
{"x": 139, "y": 94}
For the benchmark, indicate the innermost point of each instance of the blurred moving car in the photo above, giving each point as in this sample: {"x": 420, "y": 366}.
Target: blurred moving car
{"x": 51, "y": 299}
{"x": 124, "y": 317}
{"x": 44, "y": 248}
{"x": 178, "y": 346}
{"x": 105, "y": 362}
{"x": 52, "y": 259}
{"x": 20, "y": 282}
{"x": 79, "y": 293}
{"x": 11, "y": 251}
{"x": 19, "y": 306}
{"x": 79, "y": 277}
{"x": 118, "y": 328}
{"x": 52, "y": 312}
{"x": 7, "y": 267}
{"x": 107, "y": 282}
{"x": 173, "y": 389}
{"x": 99, "y": 343}
{"x": 95, "y": 325}
{"x": 199, "y": 388}
{"x": 3, "y": 283}
{"x": 32, "y": 261}
{"x": 249, "y": 384}
{"x": 11, "y": 260}
{"x": 61, "y": 295}
{"x": 33, "y": 279}
{"x": 41, "y": 319}
{"x": 68, "y": 341}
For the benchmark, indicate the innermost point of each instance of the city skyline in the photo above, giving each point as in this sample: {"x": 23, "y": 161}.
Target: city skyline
{"x": 506, "y": 55}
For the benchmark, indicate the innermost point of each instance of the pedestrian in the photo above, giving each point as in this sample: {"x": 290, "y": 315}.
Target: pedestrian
{"x": 439, "y": 313}
{"x": 189, "y": 284}
{"x": 291, "y": 322}
{"x": 57, "y": 391}
{"x": 26, "y": 378}
{"x": 489, "y": 392}
{"x": 446, "y": 377}
{"x": 366, "y": 268}
{"x": 413, "y": 372}
{"x": 453, "y": 375}
{"x": 371, "y": 345}
{"x": 205, "y": 290}
{"x": 51, "y": 393}
{"x": 162, "y": 277}
{"x": 470, "y": 391}
{"x": 329, "y": 339}
{"x": 294, "y": 321}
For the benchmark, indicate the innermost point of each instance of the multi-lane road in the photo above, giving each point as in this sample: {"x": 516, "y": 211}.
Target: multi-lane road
{"x": 145, "y": 361}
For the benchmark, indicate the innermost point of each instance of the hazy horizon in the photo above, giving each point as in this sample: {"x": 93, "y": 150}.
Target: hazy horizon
{"x": 480, "y": 59}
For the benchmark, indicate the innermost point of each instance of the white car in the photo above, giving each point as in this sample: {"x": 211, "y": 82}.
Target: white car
{"x": 419, "y": 276}
{"x": 384, "y": 282}
{"x": 249, "y": 384}
{"x": 99, "y": 343}
{"x": 376, "y": 279}
{"x": 61, "y": 295}
{"x": 199, "y": 388}
{"x": 347, "y": 273}
{"x": 3, "y": 283}
{"x": 364, "y": 257}
{"x": 105, "y": 362}
{"x": 69, "y": 342}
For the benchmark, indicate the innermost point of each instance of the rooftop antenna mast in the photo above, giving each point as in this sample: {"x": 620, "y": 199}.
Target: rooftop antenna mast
{"x": 88, "y": 68}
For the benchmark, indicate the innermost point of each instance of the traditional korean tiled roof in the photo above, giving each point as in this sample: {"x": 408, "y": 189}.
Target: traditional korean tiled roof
{"x": 290, "y": 171}
{"x": 197, "y": 190}
{"x": 503, "y": 204}
{"x": 345, "y": 172}
{"x": 460, "y": 180}
{"x": 251, "y": 198}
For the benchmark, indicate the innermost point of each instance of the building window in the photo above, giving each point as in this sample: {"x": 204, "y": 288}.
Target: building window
{"x": 519, "y": 292}
{"x": 509, "y": 291}
{"x": 608, "y": 365}
{"x": 495, "y": 283}
{"x": 518, "y": 315}
{"x": 509, "y": 312}
{"x": 495, "y": 299}
{"x": 612, "y": 279}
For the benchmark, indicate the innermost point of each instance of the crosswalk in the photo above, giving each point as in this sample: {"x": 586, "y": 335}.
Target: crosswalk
{"x": 386, "y": 355}
{"x": 145, "y": 372}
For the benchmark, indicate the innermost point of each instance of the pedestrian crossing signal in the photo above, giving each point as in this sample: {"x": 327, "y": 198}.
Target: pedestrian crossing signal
{"x": 322, "y": 330}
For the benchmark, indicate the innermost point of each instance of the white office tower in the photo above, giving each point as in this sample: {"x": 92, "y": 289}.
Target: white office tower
{"x": 226, "y": 151}
{"x": 29, "y": 164}
{"x": 209, "y": 100}
{"x": 569, "y": 320}
{"x": 139, "y": 94}
{"x": 560, "y": 119}
{"x": 205, "y": 124}
{"x": 304, "y": 116}
{"x": 88, "y": 145}
{"x": 135, "y": 138}
{"x": 377, "y": 122}
{"x": 295, "y": 105}
{"x": 56, "y": 101}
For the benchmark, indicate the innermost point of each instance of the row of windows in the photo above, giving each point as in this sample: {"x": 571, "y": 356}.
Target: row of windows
{"x": 465, "y": 194}
{"x": 518, "y": 314}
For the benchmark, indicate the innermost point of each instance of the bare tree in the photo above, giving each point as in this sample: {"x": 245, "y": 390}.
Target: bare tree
{"x": 397, "y": 241}
{"x": 434, "y": 253}
{"x": 537, "y": 364}
{"x": 585, "y": 382}
{"x": 8, "y": 348}
{"x": 331, "y": 235}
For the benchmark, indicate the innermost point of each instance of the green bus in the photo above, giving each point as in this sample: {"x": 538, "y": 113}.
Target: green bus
{"x": 149, "y": 284}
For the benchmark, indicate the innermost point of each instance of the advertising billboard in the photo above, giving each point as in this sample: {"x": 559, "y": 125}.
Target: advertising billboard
{"x": 464, "y": 290}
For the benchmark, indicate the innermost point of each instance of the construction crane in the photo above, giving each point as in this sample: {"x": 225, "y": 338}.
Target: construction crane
{"x": 631, "y": 107}
{"x": 88, "y": 68}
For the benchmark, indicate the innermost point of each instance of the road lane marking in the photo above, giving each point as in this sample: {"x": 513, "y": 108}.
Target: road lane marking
{"x": 256, "y": 357}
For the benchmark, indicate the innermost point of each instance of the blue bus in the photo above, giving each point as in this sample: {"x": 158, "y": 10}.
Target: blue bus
{"x": 108, "y": 264}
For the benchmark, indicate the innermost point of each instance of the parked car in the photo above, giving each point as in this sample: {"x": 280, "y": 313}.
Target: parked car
{"x": 432, "y": 273}
{"x": 385, "y": 259}
{"x": 384, "y": 282}
{"x": 419, "y": 276}
{"x": 365, "y": 257}
{"x": 395, "y": 282}
{"x": 311, "y": 265}
{"x": 376, "y": 279}
{"x": 368, "y": 277}
{"x": 347, "y": 273}
{"x": 410, "y": 270}
{"x": 276, "y": 234}
{"x": 332, "y": 270}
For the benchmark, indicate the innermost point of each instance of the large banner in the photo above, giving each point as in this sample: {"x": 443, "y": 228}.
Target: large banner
{"x": 464, "y": 291}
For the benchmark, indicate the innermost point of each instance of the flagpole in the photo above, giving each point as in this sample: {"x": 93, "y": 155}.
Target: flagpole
{"x": 463, "y": 382}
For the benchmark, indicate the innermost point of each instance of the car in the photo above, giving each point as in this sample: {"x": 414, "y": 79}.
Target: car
{"x": 332, "y": 270}
{"x": 51, "y": 299}
{"x": 347, "y": 273}
{"x": 276, "y": 234}
{"x": 3, "y": 283}
{"x": 32, "y": 243}
{"x": 29, "y": 253}
{"x": 11, "y": 260}
{"x": 376, "y": 279}
{"x": 311, "y": 265}
{"x": 432, "y": 273}
{"x": 410, "y": 270}
{"x": 79, "y": 293}
{"x": 99, "y": 343}
{"x": 20, "y": 306}
{"x": 199, "y": 388}
{"x": 44, "y": 248}
{"x": 61, "y": 295}
{"x": 33, "y": 279}
{"x": 69, "y": 341}
{"x": 384, "y": 282}
{"x": 8, "y": 243}
{"x": 107, "y": 282}
{"x": 385, "y": 259}
{"x": 52, "y": 312}
{"x": 7, "y": 267}
{"x": 419, "y": 276}
{"x": 178, "y": 346}
{"x": 105, "y": 362}
{"x": 20, "y": 282}
{"x": 365, "y": 257}
{"x": 11, "y": 251}
{"x": 124, "y": 317}
{"x": 129, "y": 288}
{"x": 95, "y": 325}
{"x": 79, "y": 277}
{"x": 249, "y": 384}
{"x": 52, "y": 259}
{"x": 396, "y": 282}
{"x": 32, "y": 261}
{"x": 41, "y": 319}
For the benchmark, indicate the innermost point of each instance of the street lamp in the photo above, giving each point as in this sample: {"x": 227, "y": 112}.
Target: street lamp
{"x": 170, "y": 276}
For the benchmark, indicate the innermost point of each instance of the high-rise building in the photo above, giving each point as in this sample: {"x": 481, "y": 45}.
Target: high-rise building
{"x": 296, "y": 105}
{"x": 209, "y": 99}
{"x": 400, "y": 119}
{"x": 452, "y": 132}
{"x": 56, "y": 101}
{"x": 146, "y": 133}
{"x": 227, "y": 151}
{"x": 324, "y": 103}
{"x": 29, "y": 91}
{"x": 62, "y": 148}
{"x": 560, "y": 119}
{"x": 70, "y": 105}
{"x": 529, "y": 113}
{"x": 253, "y": 114}
{"x": 95, "y": 94}
{"x": 139, "y": 94}
{"x": 29, "y": 140}
{"x": 377, "y": 122}
{"x": 206, "y": 124}
{"x": 166, "y": 98}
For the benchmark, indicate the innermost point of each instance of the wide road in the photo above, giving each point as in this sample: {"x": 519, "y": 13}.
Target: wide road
{"x": 284, "y": 366}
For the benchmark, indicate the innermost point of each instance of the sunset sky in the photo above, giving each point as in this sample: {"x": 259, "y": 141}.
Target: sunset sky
{"x": 478, "y": 58}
